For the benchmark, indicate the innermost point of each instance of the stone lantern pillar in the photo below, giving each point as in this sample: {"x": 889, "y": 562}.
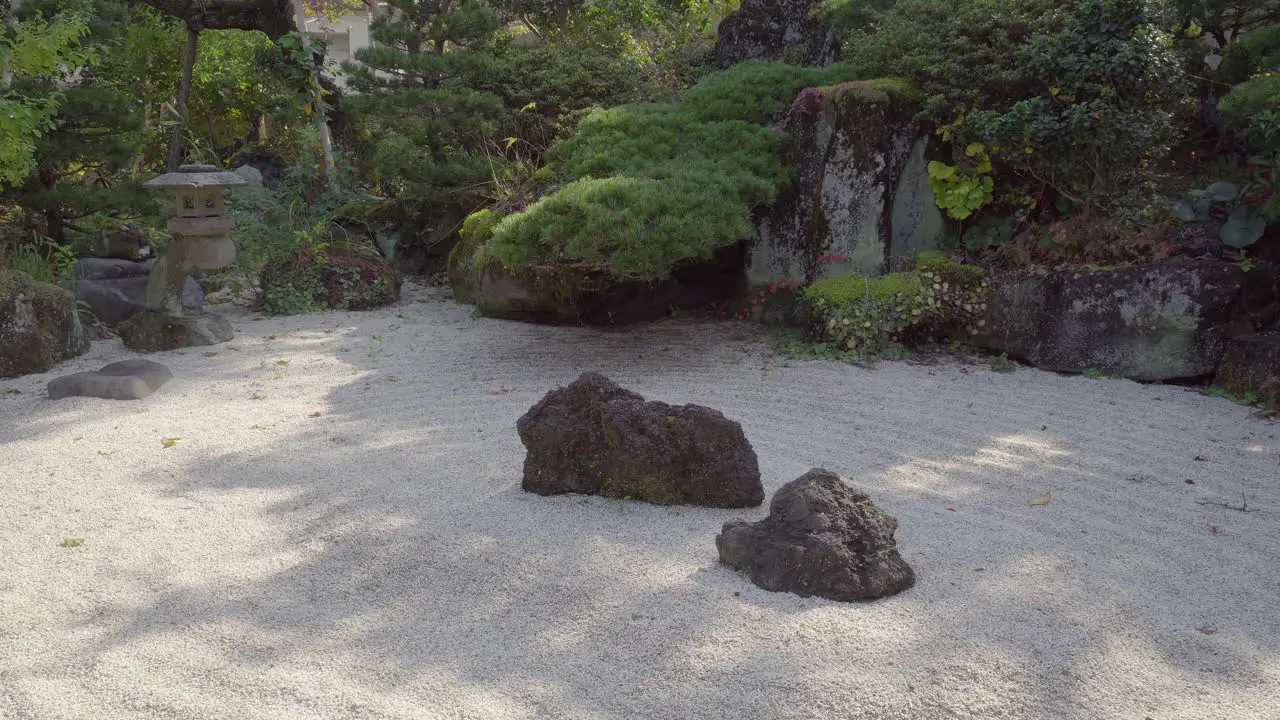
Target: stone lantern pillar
{"x": 201, "y": 230}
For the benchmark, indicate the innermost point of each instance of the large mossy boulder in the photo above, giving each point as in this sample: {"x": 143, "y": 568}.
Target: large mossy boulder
{"x": 775, "y": 30}
{"x": 570, "y": 295}
{"x": 596, "y": 438}
{"x": 1164, "y": 321}
{"x": 39, "y": 325}
{"x": 861, "y": 199}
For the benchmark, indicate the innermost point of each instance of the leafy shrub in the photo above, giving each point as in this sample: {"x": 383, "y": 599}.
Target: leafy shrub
{"x": 866, "y": 315}
{"x": 756, "y": 91}
{"x": 340, "y": 277}
{"x": 960, "y": 53}
{"x": 554, "y": 85}
{"x": 653, "y": 185}
{"x": 1106, "y": 79}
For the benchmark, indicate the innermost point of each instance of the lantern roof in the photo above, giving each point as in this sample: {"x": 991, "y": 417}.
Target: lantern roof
{"x": 197, "y": 176}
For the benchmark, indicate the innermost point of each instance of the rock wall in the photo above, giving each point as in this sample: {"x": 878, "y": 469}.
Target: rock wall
{"x": 1156, "y": 322}
{"x": 861, "y": 189}
{"x": 775, "y": 30}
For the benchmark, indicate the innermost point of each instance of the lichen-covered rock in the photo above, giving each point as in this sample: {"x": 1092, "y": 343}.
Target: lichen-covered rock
{"x": 1155, "y": 322}
{"x": 344, "y": 277}
{"x": 39, "y": 325}
{"x": 861, "y": 197}
{"x": 115, "y": 290}
{"x": 124, "y": 380}
{"x": 821, "y": 538}
{"x": 572, "y": 296}
{"x": 775, "y": 30}
{"x": 594, "y": 437}
{"x": 1250, "y": 368}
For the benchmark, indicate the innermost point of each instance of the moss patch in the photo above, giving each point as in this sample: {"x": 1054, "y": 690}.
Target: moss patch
{"x": 869, "y": 315}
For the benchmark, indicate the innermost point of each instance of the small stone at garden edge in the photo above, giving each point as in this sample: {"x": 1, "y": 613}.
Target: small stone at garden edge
{"x": 124, "y": 380}
{"x": 821, "y": 538}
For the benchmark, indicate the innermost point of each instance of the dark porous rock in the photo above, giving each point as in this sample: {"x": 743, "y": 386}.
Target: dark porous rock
{"x": 775, "y": 30}
{"x": 39, "y": 325}
{"x": 1250, "y": 368}
{"x": 594, "y": 437}
{"x": 1163, "y": 321}
{"x": 115, "y": 290}
{"x": 566, "y": 295}
{"x": 821, "y": 538}
{"x": 124, "y": 380}
{"x": 156, "y": 331}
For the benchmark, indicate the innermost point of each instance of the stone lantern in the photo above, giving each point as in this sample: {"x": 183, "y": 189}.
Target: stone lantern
{"x": 201, "y": 230}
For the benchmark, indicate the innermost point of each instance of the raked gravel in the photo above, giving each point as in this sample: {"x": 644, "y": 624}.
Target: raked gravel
{"x": 339, "y": 532}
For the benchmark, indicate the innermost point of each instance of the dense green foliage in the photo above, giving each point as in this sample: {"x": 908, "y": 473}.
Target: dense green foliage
{"x": 415, "y": 92}
{"x": 654, "y": 185}
{"x": 1105, "y": 81}
{"x": 80, "y": 161}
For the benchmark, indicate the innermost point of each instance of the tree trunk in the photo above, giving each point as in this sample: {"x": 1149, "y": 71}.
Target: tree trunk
{"x": 184, "y": 91}
{"x": 318, "y": 113}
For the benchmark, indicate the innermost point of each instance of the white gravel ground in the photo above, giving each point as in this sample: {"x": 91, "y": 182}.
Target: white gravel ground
{"x": 340, "y": 533}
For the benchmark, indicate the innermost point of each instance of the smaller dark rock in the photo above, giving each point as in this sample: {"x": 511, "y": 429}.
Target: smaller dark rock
{"x": 124, "y": 380}
{"x": 594, "y": 437}
{"x": 156, "y": 331}
{"x": 821, "y": 538}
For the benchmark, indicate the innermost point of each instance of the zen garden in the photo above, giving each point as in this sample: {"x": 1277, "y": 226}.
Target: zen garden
{"x": 640, "y": 359}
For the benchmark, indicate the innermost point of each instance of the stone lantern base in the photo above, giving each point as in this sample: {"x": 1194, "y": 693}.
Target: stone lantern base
{"x": 156, "y": 330}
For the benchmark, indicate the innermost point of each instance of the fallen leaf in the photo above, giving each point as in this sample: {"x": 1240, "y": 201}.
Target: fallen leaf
{"x": 258, "y": 319}
{"x": 1042, "y": 500}
{"x": 1189, "y": 482}
{"x": 951, "y": 509}
{"x": 209, "y": 353}
{"x": 108, "y": 452}
{"x": 170, "y": 442}
{"x": 262, "y": 427}
{"x": 1206, "y": 630}
{"x": 72, "y": 542}
{"x": 271, "y": 337}
{"x": 315, "y": 414}
{"x": 257, "y": 396}
{"x": 282, "y": 362}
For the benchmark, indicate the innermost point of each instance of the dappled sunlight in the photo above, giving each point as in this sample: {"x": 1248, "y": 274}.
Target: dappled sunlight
{"x": 351, "y": 521}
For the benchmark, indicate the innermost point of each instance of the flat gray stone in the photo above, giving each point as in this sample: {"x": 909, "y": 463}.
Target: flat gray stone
{"x": 124, "y": 380}
{"x": 155, "y": 331}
